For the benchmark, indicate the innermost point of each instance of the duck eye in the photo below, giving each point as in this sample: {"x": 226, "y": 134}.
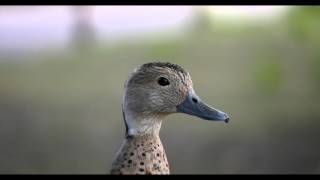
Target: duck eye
{"x": 163, "y": 81}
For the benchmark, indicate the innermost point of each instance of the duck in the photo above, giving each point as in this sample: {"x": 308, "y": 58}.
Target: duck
{"x": 152, "y": 92}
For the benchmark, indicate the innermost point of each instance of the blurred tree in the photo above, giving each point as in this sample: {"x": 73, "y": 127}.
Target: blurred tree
{"x": 83, "y": 31}
{"x": 304, "y": 22}
{"x": 202, "y": 22}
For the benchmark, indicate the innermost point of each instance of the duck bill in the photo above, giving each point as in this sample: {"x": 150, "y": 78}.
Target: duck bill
{"x": 193, "y": 105}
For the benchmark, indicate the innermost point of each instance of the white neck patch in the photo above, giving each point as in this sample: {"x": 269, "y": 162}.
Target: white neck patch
{"x": 142, "y": 126}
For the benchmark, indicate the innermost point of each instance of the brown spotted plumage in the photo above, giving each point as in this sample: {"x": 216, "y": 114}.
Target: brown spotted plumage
{"x": 141, "y": 155}
{"x": 153, "y": 91}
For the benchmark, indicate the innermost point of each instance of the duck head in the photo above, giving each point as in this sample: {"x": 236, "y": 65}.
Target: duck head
{"x": 155, "y": 90}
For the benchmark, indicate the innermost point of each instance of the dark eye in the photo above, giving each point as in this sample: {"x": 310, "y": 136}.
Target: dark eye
{"x": 163, "y": 81}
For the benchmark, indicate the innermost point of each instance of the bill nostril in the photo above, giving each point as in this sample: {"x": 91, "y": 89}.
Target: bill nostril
{"x": 194, "y": 100}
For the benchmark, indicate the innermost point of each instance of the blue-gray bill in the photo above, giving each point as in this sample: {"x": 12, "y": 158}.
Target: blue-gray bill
{"x": 193, "y": 105}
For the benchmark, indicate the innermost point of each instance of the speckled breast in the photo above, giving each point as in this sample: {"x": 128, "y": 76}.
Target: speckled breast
{"x": 141, "y": 155}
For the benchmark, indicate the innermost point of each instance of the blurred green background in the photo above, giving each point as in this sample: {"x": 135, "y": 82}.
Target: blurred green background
{"x": 60, "y": 107}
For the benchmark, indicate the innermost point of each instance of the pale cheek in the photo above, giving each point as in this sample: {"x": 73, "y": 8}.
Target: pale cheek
{"x": 183, "y": 91}
{"x": 155, "y": 100}
{"x": 173, "y": 110}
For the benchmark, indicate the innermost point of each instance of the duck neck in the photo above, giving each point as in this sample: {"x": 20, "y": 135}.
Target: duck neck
{"x": 141, "y": 125}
